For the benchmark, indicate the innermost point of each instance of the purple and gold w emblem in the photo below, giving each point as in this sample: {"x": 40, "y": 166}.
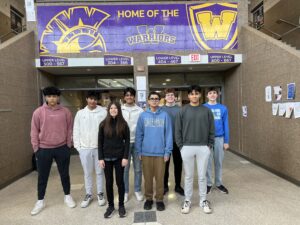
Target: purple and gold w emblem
{"x": 214, "y": 25}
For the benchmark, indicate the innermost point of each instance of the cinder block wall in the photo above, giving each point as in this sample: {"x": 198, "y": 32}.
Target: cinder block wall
{"x": 271, "y": 141}
{"x": 18, "y": 91}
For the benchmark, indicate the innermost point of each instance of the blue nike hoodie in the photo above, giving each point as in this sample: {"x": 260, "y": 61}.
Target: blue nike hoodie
{"x": 153, "y": 135}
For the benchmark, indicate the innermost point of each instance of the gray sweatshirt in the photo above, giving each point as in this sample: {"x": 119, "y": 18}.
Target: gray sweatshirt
{"x": 194, "y": 126}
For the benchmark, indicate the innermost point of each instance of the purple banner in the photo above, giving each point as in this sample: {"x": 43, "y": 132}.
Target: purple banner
{"x": 117, "y": 60}
{"x": 50, "y": 61}
{"x": 220, "y": 58}
{"x": 136, "y": 27}
{"x": 167, "y": 59}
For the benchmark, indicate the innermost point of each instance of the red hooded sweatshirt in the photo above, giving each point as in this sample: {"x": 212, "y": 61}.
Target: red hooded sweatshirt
{"x": 51, "y": 127}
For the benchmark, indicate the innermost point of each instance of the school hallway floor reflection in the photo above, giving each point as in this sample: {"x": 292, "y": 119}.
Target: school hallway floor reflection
{"x": 256, "y": 196}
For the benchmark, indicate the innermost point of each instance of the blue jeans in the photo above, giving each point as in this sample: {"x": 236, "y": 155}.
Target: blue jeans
{"x": 217, "y": 154}
{"x": 137, "y": 170}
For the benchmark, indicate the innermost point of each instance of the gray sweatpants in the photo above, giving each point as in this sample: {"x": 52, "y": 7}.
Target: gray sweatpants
{"x": 188, "y": 154}
{"x": 89, "y": 162}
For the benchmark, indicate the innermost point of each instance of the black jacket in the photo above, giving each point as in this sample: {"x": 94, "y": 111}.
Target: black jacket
{"x": 113, "y": 147}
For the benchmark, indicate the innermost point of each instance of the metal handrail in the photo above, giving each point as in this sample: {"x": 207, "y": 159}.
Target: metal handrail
{"x": 16, "y": 31}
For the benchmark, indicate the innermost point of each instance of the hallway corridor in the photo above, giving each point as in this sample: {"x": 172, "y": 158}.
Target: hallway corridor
{"x": 256, "y": 197}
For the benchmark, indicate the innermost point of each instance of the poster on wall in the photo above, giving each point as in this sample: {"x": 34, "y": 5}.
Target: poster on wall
{"x": 274, "y": 109}
{"x": 137, "y": 27}
{"x": 281, "y": 109}
{"x": 245, "y": 111}
{"x": 291, "y": 89}
{"x": 268, "y": 94}
{"x": 297, "y": 110}
{"x": 277, "y": 93}
{"x": 289, "y": 107}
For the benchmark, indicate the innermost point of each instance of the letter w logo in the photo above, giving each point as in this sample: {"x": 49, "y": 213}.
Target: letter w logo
{"x": 216, "y": 27}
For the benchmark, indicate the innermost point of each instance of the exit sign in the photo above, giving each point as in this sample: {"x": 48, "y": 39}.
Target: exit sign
{"x": 194, "y": 57}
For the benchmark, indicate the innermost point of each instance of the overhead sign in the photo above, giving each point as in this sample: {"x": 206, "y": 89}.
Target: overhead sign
{"x": 167, "y": 59}
{"x": 137, "y": 27}
{"x": 220, "y": 58}
{"x": 51, "y": 61}
{"x": 117, "y": 60}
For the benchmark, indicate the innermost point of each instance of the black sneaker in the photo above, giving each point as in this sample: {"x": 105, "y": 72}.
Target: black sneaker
{"x": 148, "y": 204}
{"x": 109, "y": 212}
{"x": 179, "y": 190}
{"x": 166, "y": 189}
{"x": 222, "y": 189}
{"x": 208, "y": 189}
{"x": 160, "y": 206}
{"x": 122, "y": 211}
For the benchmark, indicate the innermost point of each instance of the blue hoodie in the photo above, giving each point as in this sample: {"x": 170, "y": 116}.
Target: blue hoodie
{"x": 221, "y": 120}
{"x": 153, "y": 135}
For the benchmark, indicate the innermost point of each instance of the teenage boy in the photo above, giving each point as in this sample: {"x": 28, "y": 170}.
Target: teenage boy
{"x": 85, "y": 137}
{"x": 172, "y": 109}
{"x": 154, "y": 143}
{"x": 131, "y": 113}
{"x": 221, "y": 140}
{"x": 194, "y": 133}
{"x": 51, "y": 138}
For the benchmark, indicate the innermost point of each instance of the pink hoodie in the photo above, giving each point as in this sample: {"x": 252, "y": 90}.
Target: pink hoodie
{"x": 51, "y": 128}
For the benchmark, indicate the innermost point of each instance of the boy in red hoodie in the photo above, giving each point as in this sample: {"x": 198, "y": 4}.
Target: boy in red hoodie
{"x": 51, "y": 138}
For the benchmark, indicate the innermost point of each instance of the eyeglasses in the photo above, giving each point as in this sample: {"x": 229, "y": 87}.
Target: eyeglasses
{"x": 154, "y": 99}
{"x": 129, "y": 95}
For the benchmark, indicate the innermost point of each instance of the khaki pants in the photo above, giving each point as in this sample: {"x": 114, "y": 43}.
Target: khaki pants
{"x": 154, "y": 166}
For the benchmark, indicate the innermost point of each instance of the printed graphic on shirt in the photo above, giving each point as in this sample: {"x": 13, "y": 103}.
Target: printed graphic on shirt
{"x": 217, "y": 113}
{"x": 151, "y": 122}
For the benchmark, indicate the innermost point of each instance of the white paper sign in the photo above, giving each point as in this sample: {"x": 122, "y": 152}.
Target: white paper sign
{"x": 274, "y": 109}
{"x": 245, "y": 112}
{"x": 277, "y": 93}
{"x": 141, "y": 96}
{"x": 297, "y": 110}
{"x": 30, "y": 12}
{"x": 141, "y": 83}
{"x": 281, "y": 109}
{"x": 268, "y": 93}
{"x": 289, "y": 107}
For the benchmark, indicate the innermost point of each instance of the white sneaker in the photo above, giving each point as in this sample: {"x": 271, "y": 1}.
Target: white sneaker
{"x": 186, "y": 207}
{"x": 69, "y": 201}
{"x": 125, "y": 197}
{"x": 38, "y": 207}
{"x": 86, "y": 201}
{"x": 101, "y": 199}
{"x": 139, "y": 196}
{"x": 206, "y": 207}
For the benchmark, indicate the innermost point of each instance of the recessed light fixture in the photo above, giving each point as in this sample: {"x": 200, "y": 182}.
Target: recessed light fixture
{"x": 88, "y": 70}
{"x": 168, "y": 79}
{"x": 164, "y": 83}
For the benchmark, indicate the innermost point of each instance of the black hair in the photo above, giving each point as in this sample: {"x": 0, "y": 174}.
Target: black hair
{"x": 51, "y": 90}
{"x": 92, "y": 94}
{"x": 130, "y": 90}
{"x": 194, "y": 88}
{"x": 121, "y": 123}
{"x": 212, "y": 89}
{"x": 153, "y": 93}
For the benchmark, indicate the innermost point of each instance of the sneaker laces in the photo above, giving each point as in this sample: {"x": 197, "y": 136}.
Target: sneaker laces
{"x": 86, "y": 198}
{"x": 101, "y": 195}
{"x": 186, "y": 204}
{"x": 206, "y": 204}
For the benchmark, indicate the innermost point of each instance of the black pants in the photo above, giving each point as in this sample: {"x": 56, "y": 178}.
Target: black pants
{"x": 109, "y": 177}
{"x": 44, "y": 158}
{"x": 177, "y": 160}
